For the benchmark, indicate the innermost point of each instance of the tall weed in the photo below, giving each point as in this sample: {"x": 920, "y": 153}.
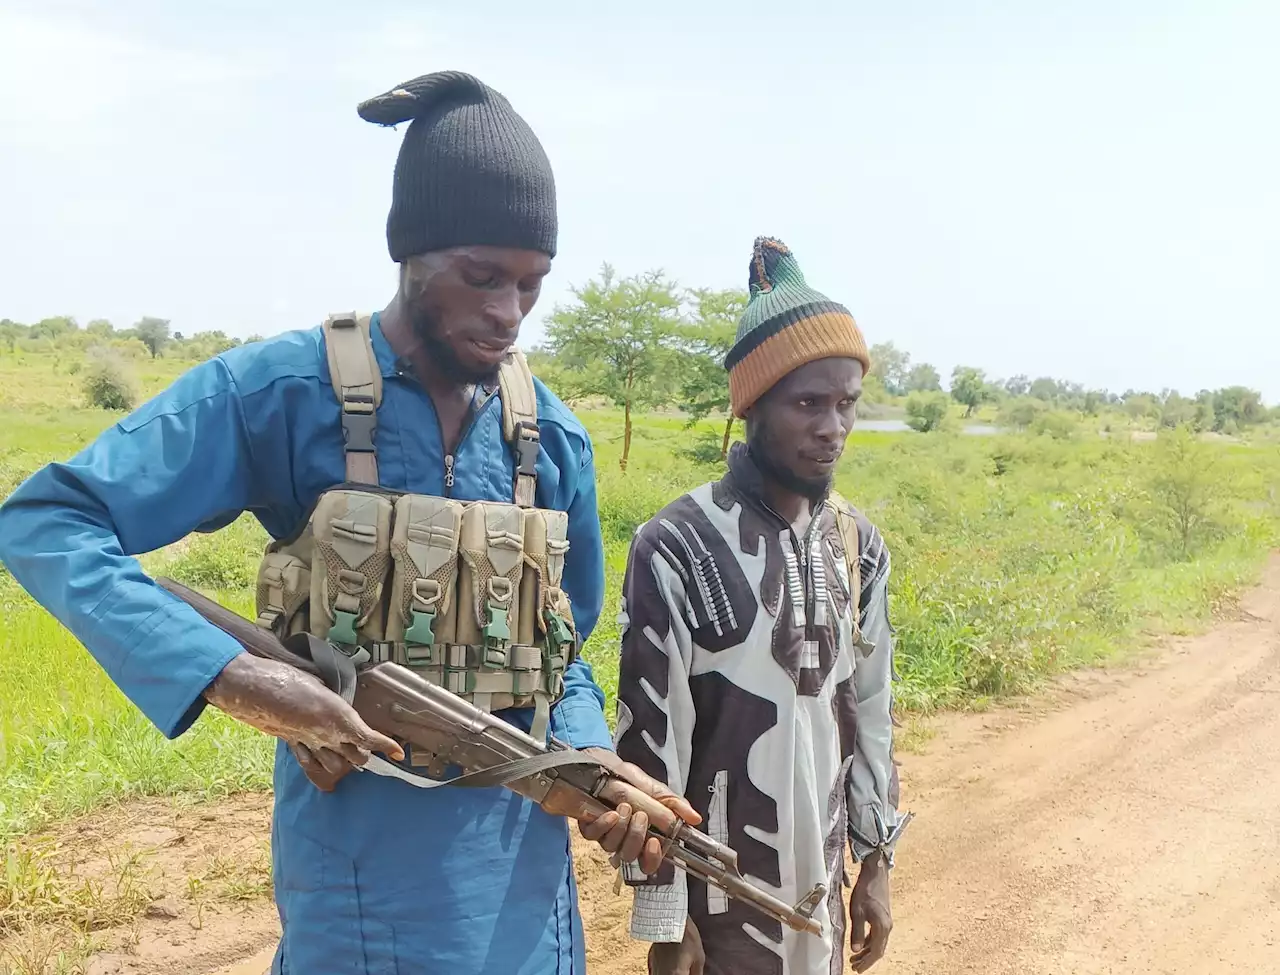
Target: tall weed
{"x": 1014, "y": 557}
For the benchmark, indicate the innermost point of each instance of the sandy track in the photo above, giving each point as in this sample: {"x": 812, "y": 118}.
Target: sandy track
{"x": 1133, "y": 828}
{"x": 1126, "y": 822}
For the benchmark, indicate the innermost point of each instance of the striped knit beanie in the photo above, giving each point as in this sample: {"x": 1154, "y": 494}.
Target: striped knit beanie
{"x": 786, "y": 325}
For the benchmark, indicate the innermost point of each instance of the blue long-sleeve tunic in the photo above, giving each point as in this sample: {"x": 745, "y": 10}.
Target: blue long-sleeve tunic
{"x": 378, "y": 876}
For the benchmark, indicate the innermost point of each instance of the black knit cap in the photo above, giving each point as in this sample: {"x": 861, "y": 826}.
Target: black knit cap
{"x": 470, "y": 170}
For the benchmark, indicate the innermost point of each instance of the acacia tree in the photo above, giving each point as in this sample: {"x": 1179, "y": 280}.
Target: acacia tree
{"x": 153, "y": 333}
{"x": 1236, "y": 407}
{"x": 891, "y": 366}
{"x": 617, "y": 337}
{"x": 923, "y": 378}
{"x": 705, "y": 342}
{"x": 969, "y": 387}
{"x": 1018, "y": 386}
{"x": 10, "y": 332}
{"x": 53, "y": 328}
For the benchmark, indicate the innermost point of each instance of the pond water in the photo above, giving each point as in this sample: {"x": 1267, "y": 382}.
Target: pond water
{"x": 900, "y": 426}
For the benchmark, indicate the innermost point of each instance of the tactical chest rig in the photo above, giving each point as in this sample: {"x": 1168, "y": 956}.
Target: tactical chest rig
{"x": 466, "y": 594}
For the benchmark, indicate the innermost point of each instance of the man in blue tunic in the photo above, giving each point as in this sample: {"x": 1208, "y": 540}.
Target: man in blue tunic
{"x": 371, "y": 874}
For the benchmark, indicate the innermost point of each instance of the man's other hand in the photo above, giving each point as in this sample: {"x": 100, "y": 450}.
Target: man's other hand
{"x": 623, "y": 831}
{"x": 869, "y": 908}
{"x": 684, "y": 958}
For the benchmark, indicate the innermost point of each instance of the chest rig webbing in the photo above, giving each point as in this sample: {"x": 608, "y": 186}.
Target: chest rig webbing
{"x": 850, "y": 553}
{"x": 467, "y": 594}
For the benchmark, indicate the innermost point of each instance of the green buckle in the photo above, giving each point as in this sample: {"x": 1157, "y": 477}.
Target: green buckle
{"x": 422, "y": 630}
{"x": 551, "y": 679}
{"x": 496, "y": 631}
{"x": 344, "y": 628}
{"x": 558, "y": 631}
{"x": 553, "y": 667}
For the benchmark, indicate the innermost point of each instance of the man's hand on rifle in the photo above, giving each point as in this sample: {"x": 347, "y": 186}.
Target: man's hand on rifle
{"x": 325, "y": 733}
{"x": 622, "y": 831}
{"x": 869, "y": 909}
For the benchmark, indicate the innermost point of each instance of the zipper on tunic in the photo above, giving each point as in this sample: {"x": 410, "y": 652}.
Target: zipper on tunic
{"x": 472, "y": 414}
{"x": 803, "y": 555}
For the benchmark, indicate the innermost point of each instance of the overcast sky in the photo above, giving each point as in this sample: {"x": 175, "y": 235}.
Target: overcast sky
{"x": 1086, "y": 190}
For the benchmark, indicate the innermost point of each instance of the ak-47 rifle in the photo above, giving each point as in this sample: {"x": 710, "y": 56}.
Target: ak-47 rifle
{"x": 490, "y": 752}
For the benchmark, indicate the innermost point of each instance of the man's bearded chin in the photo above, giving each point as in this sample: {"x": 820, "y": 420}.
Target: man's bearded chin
{"x": 759, "y": 444}
{"x": 439, "y": 351}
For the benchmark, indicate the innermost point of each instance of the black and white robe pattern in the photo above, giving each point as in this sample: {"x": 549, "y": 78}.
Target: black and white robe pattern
{"x": 746, "y": 686}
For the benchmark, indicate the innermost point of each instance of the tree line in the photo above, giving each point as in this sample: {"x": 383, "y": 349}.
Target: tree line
{"x": 149, "y": 335}
{"x": 645, "y": 341}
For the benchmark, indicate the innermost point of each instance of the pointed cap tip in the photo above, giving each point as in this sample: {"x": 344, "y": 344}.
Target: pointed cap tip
{"x": 767, "y": 253}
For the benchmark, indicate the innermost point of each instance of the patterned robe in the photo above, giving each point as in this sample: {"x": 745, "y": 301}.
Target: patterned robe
{"x": 746, "y": 686}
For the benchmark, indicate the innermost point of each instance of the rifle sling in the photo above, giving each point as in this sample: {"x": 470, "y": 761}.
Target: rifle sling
{"x": 337, "y": 667}
{"x": 507, "y": 772}
{"x": 485, "y": 778}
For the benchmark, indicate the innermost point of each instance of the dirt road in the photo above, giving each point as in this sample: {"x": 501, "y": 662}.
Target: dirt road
{"x": 1126, "y": 822}
{"x": 1133, "y": 828}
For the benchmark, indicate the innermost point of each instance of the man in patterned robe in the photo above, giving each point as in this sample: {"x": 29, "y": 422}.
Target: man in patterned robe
{"x": 756, "y": 658}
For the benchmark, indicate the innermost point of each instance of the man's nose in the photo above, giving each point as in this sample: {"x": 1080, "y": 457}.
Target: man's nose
{"x": 504, "y": 310}
{"x": 830, "y": 426}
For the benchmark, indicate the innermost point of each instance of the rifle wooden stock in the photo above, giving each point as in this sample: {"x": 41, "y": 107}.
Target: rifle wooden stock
{"x": 454, "y": 733}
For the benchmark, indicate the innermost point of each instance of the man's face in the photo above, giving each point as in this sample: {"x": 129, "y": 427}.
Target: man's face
{"x": 797, "y": 430}
{"x": 466, "y": 304}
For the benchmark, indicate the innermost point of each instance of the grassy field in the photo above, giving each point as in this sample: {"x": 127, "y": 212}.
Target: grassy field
{"x": 1014, "y": 557}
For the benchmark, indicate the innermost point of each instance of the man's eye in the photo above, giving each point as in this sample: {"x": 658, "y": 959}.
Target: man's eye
{"x": 481, "y": 281}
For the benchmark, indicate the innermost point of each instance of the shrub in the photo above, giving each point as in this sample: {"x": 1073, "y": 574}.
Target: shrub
{"x": 1056, "y": 424}
{"x": 225, "y": 561}
{"x": 109, "y": 384}
{"x": 1184, "y": 491}
{"x": 130, "y": 348}
{"x": 927, "y": 412}
{"x": 1021, "y": 413}
{"x": 706, "y": 450}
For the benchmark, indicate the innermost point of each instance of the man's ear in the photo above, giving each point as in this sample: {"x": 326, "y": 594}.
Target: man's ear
{"x": 403, "y": 274}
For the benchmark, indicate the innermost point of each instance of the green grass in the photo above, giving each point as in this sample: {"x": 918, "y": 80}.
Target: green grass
{"x": 1014, "y": 557}
{"x": 69, "y": 739}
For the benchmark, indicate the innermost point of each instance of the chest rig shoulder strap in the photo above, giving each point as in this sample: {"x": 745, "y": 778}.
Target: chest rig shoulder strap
{"x": 848, "y": 526}
{"x": 357, "y": 384}
{"x": 520, "y": 424}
